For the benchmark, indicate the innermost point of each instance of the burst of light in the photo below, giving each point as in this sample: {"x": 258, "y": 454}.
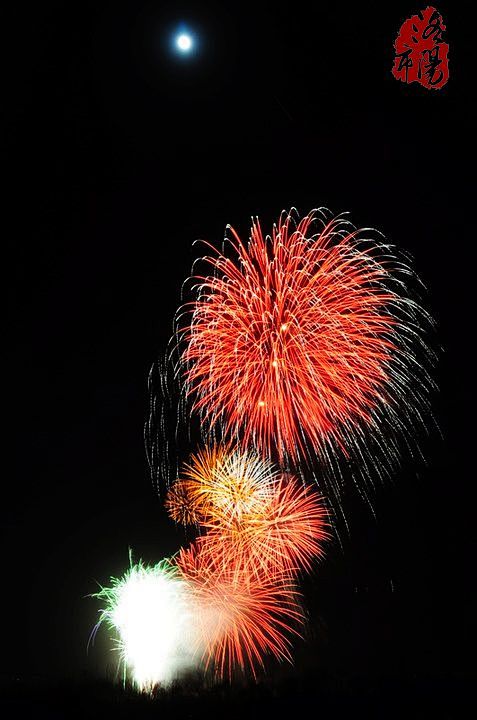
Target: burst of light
{"x": 226, "y": 486}
{"x": 243, "y": 617}
{"x": 151, "y": 613}
{"x": 336, "y": 306}
{"x": 284, "y": 538}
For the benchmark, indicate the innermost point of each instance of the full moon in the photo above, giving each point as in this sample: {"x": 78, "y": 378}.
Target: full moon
{"x": 184, "y": 42}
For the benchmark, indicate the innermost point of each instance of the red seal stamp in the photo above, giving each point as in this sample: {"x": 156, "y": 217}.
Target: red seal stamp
{"x": 421, "y": 51}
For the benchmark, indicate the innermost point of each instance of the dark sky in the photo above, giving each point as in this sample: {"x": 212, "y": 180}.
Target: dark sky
{"x": 120, "y": 155}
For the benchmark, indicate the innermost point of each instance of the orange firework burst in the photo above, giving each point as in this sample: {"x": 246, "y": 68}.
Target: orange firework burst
{"x": 242, "y": 617}
{"x": 226, "y": 486}
{"x": 182, "y": 504}
{"x": 305, "y": 338}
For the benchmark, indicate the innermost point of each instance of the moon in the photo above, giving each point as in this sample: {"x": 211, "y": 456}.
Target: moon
{"x": 184, "y": 42}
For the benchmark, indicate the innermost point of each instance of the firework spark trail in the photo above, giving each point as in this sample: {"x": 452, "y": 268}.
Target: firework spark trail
{"x": 307, "y": 343}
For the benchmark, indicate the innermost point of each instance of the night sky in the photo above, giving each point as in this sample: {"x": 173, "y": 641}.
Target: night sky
{"x": 119, "y": 155}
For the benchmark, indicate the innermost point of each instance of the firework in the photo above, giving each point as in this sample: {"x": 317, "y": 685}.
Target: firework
{"x": 226, "y": 486}
{"x": 253, "y": 513}
{"x": 285, "y": 538}
{"x": 242, "y": 617}
{"x": 306, "y": 339}
{"x": 261, "y": 528}
{"x": 206, "y": 612}
{"x": 230, "y": 599}
{"x": 152, "y": 614}
{"x": 182, "y": 504}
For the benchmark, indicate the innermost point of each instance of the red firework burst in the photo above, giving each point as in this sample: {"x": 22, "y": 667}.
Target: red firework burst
{"x": 303, "y": 338}
{"x": 284, "y": 537}
{"x": 242, "y": 617}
